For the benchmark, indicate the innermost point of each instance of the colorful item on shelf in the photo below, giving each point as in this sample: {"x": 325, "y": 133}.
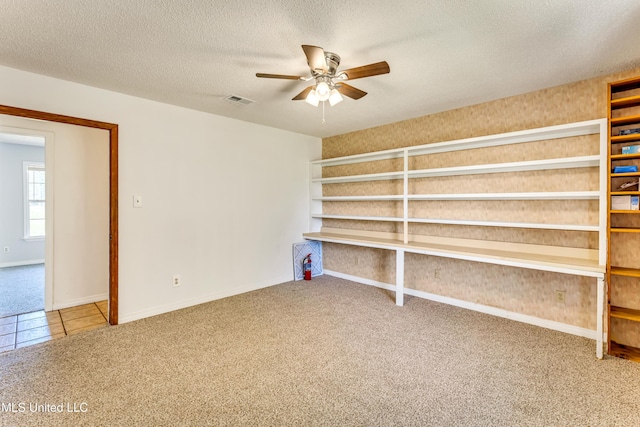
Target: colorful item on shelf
{"x": 624, "y": 203}
{"x": 629, "y": 131}
{"x": 627, "y": 184}
{"x": 631, "y": 149}
{"x": 625, "y": 169}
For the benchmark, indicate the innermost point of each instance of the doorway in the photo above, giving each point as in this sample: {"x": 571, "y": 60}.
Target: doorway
{"x": 22, "y": 223}
{"x": 112, "y": 130}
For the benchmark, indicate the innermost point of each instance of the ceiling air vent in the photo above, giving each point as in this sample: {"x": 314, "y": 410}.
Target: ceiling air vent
{"x": 238, "y": 100}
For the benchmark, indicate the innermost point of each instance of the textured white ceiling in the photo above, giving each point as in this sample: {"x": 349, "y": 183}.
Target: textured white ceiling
{"x": 443, "y": 54}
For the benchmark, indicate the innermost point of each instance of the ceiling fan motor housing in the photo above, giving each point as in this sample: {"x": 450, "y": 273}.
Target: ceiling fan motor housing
{"x": 333, "y": 61}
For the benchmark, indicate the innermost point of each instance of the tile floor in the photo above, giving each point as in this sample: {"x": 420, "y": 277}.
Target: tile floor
{"x": 39, "y": 326}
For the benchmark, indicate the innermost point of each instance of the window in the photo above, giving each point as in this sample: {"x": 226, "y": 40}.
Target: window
{"x": 34, "y": 200}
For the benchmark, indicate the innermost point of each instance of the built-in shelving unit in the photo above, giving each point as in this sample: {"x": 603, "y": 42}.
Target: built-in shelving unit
{"x": 577, "y": 261}
{"x": 551, "y": 132}
{"x": 623, "y": 225}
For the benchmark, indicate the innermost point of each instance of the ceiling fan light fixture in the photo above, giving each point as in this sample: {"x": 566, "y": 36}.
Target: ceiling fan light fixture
{"x": 335, "y": 97}
{"x": 323, "y": 91}
{"x": 312, "y": 98}
{"x": 327, "y": 82}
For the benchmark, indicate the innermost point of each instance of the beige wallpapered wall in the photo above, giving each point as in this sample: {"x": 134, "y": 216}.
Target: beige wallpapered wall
{"x": 524, "y": 291}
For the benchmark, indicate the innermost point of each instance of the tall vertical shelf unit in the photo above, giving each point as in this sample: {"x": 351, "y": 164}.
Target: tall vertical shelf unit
{"x": 623, "y": 269}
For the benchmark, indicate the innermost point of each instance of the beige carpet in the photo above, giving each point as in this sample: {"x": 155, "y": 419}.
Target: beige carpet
{"x": 321, "y": 353}
{"x": 21, "y": 289}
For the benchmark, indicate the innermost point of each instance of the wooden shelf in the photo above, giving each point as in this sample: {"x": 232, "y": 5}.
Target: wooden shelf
{"x": 625, "y": 156}
{"x": 618, "y": 139}
{"x": 625, "y": 85}
{"x": 625, "y": 351}
{"x": 625, "y": 175}
{"x": 626, "y": 120}
{"x": 629, "y": 101}
{"x": 625, "y": 313}
{"x": 624, "y": 212}
{"x": 624, "y": 230}
{"x": 623, "y": 271}
{"x": 624, "y": 235}
{"x": 625, "y": 193}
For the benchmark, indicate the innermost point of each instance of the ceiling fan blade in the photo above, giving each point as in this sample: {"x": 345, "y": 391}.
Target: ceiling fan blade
{"x": 367, "y": 70}
{"x": 303, "y": 94}
{"x": 315, "y": 58}
{"x": 278, "y": 76}
{"x": 350, "y": 91}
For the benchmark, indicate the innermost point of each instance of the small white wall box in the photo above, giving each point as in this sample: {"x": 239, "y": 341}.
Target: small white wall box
{"x": 631, "y": 149}
{"x": 621, "y": 203}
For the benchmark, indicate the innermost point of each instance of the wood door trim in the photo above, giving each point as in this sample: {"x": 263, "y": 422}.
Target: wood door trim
{"x": 113, "y": 188}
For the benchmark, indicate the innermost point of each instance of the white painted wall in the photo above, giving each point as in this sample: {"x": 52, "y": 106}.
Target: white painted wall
{"x": 20, "y": 252}
{"x": 77, "y": 164}
{"x": 223, "y": 200}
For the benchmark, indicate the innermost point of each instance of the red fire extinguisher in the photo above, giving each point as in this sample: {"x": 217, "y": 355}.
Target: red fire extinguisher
{"x": 306, "y": 267}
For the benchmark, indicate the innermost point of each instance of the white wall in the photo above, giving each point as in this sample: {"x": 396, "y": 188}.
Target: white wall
{"x": 223, "y": 199}
{"x": 20, "y": 252}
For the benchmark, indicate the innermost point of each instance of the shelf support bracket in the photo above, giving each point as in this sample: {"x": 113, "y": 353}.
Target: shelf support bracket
{"x": 405, "y": 197}
{"x": 600, "y": 318}
{"x": 399, "y": 277}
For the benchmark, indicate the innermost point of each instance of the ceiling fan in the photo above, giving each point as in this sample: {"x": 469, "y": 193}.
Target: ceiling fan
{"x": 329, "y": 84}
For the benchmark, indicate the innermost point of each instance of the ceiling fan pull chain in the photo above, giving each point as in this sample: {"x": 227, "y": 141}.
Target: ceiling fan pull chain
{"x": 323, "y": 112}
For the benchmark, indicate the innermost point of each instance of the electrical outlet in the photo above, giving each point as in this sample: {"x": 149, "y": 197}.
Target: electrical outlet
{"x": 6, "y": 249}
{"x": 561, "y": 297}
{"x": 177, "y": 280}
{"x": 436, "y": 273}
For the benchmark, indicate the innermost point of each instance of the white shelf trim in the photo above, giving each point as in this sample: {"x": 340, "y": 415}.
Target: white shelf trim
{"x": 394, "y": 153}
{"x": 398, "y": 197}
{"x": 530, "y": 135}
{"x": 560, "y": 195}
{"x": 357, "y": 178}
{"x": 500, "y": 224}
{"x": 588, "y": 127}
{"x": 359, "y": 218}
{"x": 570, "y": 227}
{"x": 531, "y": 165}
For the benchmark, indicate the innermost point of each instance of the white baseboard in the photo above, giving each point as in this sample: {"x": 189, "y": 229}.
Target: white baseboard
{"x": 137, "y": 315}
{"x": 524, "y": 318}
{"x": 362, "y": 280}
{"x": 80, "y": 301}
{"x": 21, "y": 263}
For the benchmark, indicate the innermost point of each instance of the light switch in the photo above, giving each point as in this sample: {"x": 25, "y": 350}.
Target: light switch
{"x": 137, "y": 201}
